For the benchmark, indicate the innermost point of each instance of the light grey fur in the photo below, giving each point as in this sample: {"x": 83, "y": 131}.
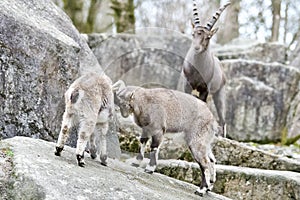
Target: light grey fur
{"x": 89, "y": 103}
{"x": 202, "y": 71}
{"x": 160, "y": 110}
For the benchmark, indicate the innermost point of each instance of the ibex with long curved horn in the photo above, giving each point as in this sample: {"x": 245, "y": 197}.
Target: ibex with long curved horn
{"x": 201, "y": 69}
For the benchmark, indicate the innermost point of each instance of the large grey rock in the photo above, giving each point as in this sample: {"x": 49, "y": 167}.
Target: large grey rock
{"x": 264, "y": 52}
{"x": 141, "y": 59}
{"x": 226, "y": 151}
{"x": 239, "y": 182}
{"x": 259, "y": 96}
{"x": 38, "y": 174}
{"x": 294, "y": 57}
{"x": 262, "y": 98}
{"x": 41, "y": 54}
{"x": 230, "y": 152}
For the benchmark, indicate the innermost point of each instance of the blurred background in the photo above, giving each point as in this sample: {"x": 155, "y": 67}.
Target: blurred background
{"x": 271, "y": 20}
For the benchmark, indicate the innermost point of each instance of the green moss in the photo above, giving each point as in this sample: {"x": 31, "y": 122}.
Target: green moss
{"x": 293, "y": 140}
{"x": 124, "y": 15}
{"x": 129, "y": 143}
{"x": 187, "y": 156}
{"x": 288, "y": 141}
{"x": 284, "y": 133}
{"x": 7, "y": 152}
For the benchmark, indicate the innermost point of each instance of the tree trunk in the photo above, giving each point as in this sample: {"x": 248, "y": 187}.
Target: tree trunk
{"x": 94, "y": 7}
{"x": 276, "y": 6}
{"x": 287, "y": 5}
{"x": 230, "y": 29}
{"x": 124, "y": 15}
{"x": 75, "y": 10}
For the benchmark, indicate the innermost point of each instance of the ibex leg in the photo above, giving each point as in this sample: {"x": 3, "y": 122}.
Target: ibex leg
{"x": 156, "y": 141}
{"x": 212, "y": 169}
{"x": 203, "y": 92}
{"x": 200, "y": 154}
{"x": 103, "y": 128}
{"x": 64, "y": 132}
{"x": 93, "y": 146}
{"x": 85, "y": 131}
{"x": 219, "y": 100}
{"x": 139, "y": 158}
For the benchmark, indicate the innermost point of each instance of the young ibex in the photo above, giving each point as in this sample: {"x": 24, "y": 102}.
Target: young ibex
{"x": 201, "y": 69}
{"x": 89, "y": 102}
{"x": 158, "y": 111}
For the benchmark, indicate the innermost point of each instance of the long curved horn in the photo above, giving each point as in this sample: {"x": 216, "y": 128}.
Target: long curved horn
{"x": 195, "y": 15}
{"x": 216, "y": 16}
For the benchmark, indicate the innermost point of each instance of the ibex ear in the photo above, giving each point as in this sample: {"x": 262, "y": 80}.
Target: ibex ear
{"x": 213, "y": 31}
{"x": 119, "y": 85}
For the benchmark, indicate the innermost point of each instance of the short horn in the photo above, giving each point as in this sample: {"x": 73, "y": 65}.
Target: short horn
{"x": 119, "y": 85}
{"x": 216, "y": 16}
{"x": 196, "y": 18}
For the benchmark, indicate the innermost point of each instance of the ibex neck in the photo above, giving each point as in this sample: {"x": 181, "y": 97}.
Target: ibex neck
{"x": 203, "y": 62}
{"x": 200, "y": 59}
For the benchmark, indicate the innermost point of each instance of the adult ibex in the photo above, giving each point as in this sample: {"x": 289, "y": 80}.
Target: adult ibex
{"x": 201, "y": 69}
{"x": 158, "y": 111}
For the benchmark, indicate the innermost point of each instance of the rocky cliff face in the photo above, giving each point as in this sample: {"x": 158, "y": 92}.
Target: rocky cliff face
{"x": 41, "y": 54}
{"x": 259, "y": 99}
{"x": 40, "y": 51}
{"x": 38, "y": 174}
{"x": 262, "y": 92}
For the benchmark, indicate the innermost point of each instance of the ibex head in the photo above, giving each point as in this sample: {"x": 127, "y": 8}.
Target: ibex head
{"x": 203, "y": 34}
{"x": 123, "y": 96}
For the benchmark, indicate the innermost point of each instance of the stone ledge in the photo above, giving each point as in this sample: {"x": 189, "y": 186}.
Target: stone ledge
{"x": 60, "y": 178}
{"x": 239, "y": 182}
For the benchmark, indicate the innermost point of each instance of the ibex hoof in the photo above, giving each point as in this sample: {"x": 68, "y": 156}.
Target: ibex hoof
{"x": 210, "y": 187}
{"x": 139, "y": 157}
{"x": 103, "y": 159}
{"x": 201, "y": 192}
{"x": 149, "y": 171}
{"x": 93, "y": 154}
{"x": 135, "y": 165}
{"x": 80, "y": 161}
{"x": 58, "y": 151}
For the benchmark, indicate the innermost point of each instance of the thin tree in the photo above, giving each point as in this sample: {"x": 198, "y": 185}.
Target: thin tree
{"x": 75, "y": 11}
{"x": 93, "y": 10}
{"x": 276, "y": 7}
{"x": 230, "y": 29}
{"x": 124, "y": 15}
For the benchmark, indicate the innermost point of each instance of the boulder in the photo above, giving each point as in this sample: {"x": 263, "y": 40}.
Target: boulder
{"x": 146, "y": 60}
{"x": 294, "y": 57}
{"x": 259, "y": 96}
{"x": 252, "y": 50}
{"x": 239, "y": 182}
{"x": 226, "y": 151}
{"x": 38, "y": 174}
{"x": 261, "y": 103}
{"x": 41, "y": 54}
{"x": 230, "y": 152}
